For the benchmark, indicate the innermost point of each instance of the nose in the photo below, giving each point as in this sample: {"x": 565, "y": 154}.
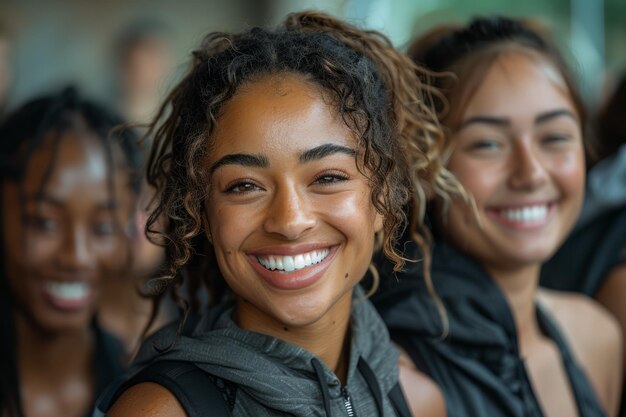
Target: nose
{"x": 528, "y": 169}
{"x": 75, "y": 253}
{"x": 289, "y": 214}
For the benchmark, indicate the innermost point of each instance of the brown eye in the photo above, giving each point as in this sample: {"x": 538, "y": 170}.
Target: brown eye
{"x": 485, "y": 145}
{"x": 242, "y": 187}
{"x": 555, "y": 139}
{"x": 105, "y": 228}
{"x": 43, "y": 224}
{"x": 330, "y": 178}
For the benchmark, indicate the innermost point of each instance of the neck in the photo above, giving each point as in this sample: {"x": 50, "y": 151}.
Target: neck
{"x": 328, "y": 338}
{"x": 519, "y": 286}
{"x": 53, "y": 355}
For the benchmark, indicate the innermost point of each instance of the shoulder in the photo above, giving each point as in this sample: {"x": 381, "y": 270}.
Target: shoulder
{"x": 423, "y": 395}
{"x": 588, "y": 326}
{"x": 594, "y": 337}
{"x": 147, "y": 399}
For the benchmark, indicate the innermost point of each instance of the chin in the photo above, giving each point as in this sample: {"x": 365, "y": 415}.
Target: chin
{"x": 300, "y": 317}
{"x": 52, "y": 324}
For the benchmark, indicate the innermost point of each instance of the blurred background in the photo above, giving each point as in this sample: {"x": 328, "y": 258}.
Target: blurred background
{"x": 127, "y": 53}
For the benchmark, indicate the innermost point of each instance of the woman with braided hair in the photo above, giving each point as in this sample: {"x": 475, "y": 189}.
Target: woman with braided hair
{"x": 67, "y": 196}
{"x": 515, "y": 140}
{"x": 280, "y": 161}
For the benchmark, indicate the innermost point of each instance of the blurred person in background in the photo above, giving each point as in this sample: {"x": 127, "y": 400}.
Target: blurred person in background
{"x": 68, "y": 190}
{"x": 144, "y": 61}
{"x": 498, "y": 345}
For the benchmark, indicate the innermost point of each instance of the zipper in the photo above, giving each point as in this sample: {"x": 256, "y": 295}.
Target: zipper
{"x": 347, "y": 402}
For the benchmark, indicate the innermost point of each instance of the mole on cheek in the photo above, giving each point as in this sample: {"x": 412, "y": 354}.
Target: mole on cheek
{"x": 286, "y": 329}
{"x": 347, "y": 275}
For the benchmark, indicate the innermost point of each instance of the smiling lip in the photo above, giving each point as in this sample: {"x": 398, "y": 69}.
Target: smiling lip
{"x": 67, "y": 296}
{"x": 296, "y": 279}
{"x": 524, "y": 216}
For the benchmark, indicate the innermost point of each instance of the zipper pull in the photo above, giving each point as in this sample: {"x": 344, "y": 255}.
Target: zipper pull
{"x": 347, "y": 402}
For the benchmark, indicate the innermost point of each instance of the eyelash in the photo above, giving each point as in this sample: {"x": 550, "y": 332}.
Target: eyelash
{"x": 331, "y": 178}
{"x": 484, "y": 145}
{"x": 231, "y": 187}
{"x": 555, "y": 138}
{"x": 334, "y": 176}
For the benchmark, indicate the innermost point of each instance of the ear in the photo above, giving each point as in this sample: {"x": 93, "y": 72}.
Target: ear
{"x": 378, "y": 223}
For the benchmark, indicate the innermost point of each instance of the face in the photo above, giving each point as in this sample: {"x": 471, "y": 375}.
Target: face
{"x": 289, "y": 214}
{"x": 5, "y": 69}
{"x": 519, "y": 153}
{"x": 146, "y": 65}
{"x": 60, "y": 244}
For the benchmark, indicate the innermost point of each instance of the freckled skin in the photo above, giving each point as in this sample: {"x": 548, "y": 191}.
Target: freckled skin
{"x": 279, "y": 118}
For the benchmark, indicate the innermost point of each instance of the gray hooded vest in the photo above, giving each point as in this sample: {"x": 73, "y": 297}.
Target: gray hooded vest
{"x": 275, "y": 378}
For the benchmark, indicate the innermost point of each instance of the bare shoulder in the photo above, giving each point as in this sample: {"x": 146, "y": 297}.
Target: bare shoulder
{"x": 147, "y": 399}
{"x": 595, "y": 338}
{"x": 423, "y": 395}
{"x": 587, "y": 325}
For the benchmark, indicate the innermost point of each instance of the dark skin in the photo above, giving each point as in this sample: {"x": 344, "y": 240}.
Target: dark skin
{"x": 57, "y": 252}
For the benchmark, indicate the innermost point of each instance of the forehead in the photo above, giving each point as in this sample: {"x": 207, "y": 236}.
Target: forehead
{"x": 71, "y": 161}
{"x": 278, "y": 115}
{"x": 517, "y": 84}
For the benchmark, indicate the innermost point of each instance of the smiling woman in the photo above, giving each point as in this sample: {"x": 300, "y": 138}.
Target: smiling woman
{"x": 281, "y": 160}
{"x": 515, "y": 141}
{"x": 67, "y": 194}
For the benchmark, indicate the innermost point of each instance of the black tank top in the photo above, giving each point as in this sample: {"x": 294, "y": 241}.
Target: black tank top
{"x": 477, "y": 366}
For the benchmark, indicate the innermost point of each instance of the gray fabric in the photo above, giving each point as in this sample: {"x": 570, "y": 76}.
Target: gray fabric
{"x": 275, "y": 377}
{"x": 606, "y": 187}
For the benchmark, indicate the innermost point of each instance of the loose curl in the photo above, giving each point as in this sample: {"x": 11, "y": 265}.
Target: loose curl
{"x": 377, "y": 90}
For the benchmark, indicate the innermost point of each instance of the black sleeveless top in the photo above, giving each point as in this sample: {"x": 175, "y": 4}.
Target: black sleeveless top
{"x": 108, "y": 360}
{"x": 478, "y": 365}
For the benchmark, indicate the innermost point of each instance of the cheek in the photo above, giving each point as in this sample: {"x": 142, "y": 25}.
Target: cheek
{"x": 113, "y": 252}
{"x": 351, "y": 213}
{"x": 479, "y": 180}
{"x": 569, "y": 170}
{"x": 226, "y": 228}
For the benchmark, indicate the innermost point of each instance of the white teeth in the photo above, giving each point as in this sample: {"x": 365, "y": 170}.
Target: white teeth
{"x": 289, "y": 263}
{"x": 526, "y": 214}
{"x": 67, "y": 290}
{"x": 293, "y": 263}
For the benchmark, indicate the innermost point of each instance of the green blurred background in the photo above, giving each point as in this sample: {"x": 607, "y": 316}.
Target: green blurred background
{"x": 56, "y": 42}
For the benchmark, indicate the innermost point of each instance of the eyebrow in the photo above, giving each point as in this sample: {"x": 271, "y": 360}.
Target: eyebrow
{"x": 544, "y": 117}
{"x": 48, "y": 199}
{"x": 260, "y": 161}
{"x": 247, "y": 160}
{"x": 504, "y": 122}
{"x": 322, "y": 151}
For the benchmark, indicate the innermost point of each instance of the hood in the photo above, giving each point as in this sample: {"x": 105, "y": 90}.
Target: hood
{"x": 273, "y": 376}
{"x": 477, "y": 311}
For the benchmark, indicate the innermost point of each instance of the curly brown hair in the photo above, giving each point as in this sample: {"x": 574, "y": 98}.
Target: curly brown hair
{"x": 377, "y": 90}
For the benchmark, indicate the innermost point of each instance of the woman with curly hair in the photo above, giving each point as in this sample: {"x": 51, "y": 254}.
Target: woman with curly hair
{"x": 280, "y": 161}
{"x": 67, "y": 195}
{"x": 514, "y": 132}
